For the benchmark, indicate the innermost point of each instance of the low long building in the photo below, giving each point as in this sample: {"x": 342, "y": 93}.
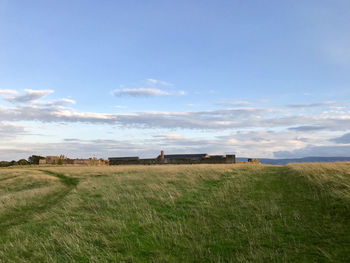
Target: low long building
{"x": 123, "y": 160}
{"x": 160, "y": 159}
{"x": 174, "y": 159}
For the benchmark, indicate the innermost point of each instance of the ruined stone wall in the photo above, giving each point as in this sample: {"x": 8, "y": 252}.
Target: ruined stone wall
{"x": 42, "y": 161}
{"x": 61, "y": 160}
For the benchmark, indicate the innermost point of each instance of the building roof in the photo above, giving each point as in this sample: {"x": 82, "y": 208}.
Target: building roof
{"x": 123, "y": 158}
{"x": 185, "y": 156}
{"x": 217, "y": 156}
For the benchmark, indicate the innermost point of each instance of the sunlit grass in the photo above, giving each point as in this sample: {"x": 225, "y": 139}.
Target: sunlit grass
{"x": 183, "y": 213}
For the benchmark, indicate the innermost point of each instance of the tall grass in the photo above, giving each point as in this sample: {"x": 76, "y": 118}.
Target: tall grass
{"x": 331, "y": 177}
{"x": 184, "y": 213}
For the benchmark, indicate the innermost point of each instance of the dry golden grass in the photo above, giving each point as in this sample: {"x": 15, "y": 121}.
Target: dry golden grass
{"x": 175, "y": 213}
{"x": 334, "y": 177}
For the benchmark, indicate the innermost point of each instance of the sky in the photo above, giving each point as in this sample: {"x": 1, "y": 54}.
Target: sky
{"x": 110, "y": 78}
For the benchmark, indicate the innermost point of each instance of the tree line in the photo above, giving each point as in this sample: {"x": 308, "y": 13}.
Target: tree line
{"x": 34, "y": 159}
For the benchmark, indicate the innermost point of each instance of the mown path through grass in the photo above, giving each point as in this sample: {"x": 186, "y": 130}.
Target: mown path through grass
{"x": 66, "y": 180}
{"x": 22, "y": 214}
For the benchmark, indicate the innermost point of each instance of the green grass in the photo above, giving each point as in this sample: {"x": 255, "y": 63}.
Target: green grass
{"x": 66, "y": 180}
{"x": 189, "y": 213}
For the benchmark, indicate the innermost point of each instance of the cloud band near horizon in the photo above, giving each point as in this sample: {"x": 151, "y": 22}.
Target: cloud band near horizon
{"x": 290, "y": 130}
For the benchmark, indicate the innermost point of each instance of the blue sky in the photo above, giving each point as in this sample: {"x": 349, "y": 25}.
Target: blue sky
{"x": 114, "y": 78}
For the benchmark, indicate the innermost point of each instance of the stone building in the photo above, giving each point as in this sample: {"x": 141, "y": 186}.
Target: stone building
{"x": 62, "y": 160}
{"x": 175, "y": 159}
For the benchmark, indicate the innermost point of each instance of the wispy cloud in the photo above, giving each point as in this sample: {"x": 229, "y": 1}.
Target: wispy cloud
{"x": 311, "y": 105}
{"x": 344, "y": 139}
{"x": 249, "y": 144}
{"x": 8, "y": 93}
{"x": 147, "y": 88}
{"x": 169, "y": 136}
{"x": 159, "y": 82}
{"x": 235, "y": 103}
{"x": 29, "y": 95}
{"x": 307, "y": 128}
{"x": 33, "y": 98}
{"x": 316, "y": 151}
{"x": 209, "y": 119}
{"x": 59, "y": 102}
{"x": 10, "y": 130}
{"x": 263, "y": 130}
{"x": 141, "y": 92}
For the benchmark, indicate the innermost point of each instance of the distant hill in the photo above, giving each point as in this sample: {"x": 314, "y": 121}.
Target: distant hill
{"x": 299, "y": 160}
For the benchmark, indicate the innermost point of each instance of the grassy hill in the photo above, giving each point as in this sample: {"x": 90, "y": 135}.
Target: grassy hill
{"x": 195, "y": 213}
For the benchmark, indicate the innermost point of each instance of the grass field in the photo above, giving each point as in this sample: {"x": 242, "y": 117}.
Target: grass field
{"x": 194, "y": 213}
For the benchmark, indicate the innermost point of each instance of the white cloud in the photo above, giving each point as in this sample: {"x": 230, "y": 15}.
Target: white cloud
{"x": 10, "y": 130}
{"x": 248, "y": 144}
{"x": 236, "y": 103}
{"x": 29, "y": 95}
{"x": 59, "y": 102}
{"x": 8, "y": 93}
{"x": 262, "y": 143}
{"x": 263, "y": 130}
{"x": 210, "y": 119}
{"x": 316, "y": 151}
{"x": 170, "y": 136}
{"x": 69, "y": 101}
{"x": 311, "y": 105}
{"x": 119, "y": 107}
{"x": 141, "y": 92}
{"x": 159, "y": 82}
{"x": 147, "y": 88}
